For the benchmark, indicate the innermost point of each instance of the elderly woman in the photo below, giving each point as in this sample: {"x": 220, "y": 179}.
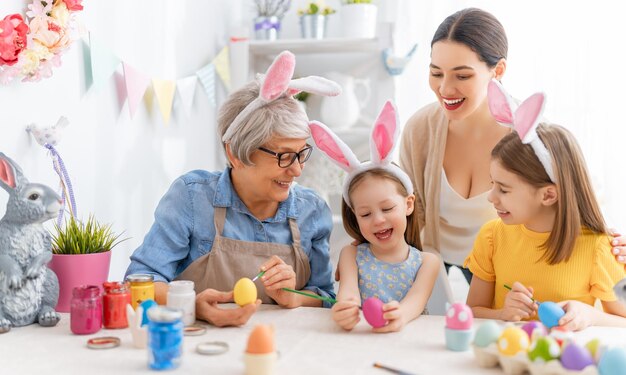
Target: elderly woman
{"x": 216, "y": 227}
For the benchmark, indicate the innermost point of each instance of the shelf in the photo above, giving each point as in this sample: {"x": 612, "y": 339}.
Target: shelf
{"x": 311, "y": 46}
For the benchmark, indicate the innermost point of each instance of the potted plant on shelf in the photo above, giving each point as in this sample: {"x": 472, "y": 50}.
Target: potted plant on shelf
{"x": 81, "y": 255}
{"x": 358, "y": 18}
{"x": 313, "y": 20}
{"x": 269, "y": 15}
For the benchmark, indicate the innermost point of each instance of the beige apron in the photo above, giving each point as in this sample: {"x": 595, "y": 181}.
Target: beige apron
{"x": 229, "y": 260}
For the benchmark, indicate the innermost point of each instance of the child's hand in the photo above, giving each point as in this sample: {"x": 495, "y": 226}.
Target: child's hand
{"x": 395, "y": 316}
{"x": 518, "y": 304}
{"x": 346, "y": 313}
{"x": 577, "y": 316}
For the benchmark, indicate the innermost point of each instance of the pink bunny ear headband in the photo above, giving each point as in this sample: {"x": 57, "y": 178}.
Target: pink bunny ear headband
{"x": 383, "y": 141}
{"x": 524, "y": 120}
{"x": 277, "y": 82}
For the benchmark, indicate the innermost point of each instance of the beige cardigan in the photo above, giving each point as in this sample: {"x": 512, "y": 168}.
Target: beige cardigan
{"x": 421, "y": 155}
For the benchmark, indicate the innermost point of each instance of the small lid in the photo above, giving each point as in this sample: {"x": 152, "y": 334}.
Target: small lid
{"x": 194, "y": 330}
{"x": 162, "y": 314}
{"x": 103, "y": 342}
{"x": 212, "y": 347}
{"x": 86, "y": 291}
{"x": 140, "y": 278}
{"x": 115, "y": 287}
{"x": 181, "y": 286}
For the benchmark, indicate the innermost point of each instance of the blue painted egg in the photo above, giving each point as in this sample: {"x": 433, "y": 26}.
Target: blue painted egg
{"x": 613, "y": 362}
{"x": 487, "y": 333}
{"x": 550, "y": 313}
{"x": 575, "y": 357}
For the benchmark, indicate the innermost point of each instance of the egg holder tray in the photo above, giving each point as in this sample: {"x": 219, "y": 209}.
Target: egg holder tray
{"x": 518, "y": 364}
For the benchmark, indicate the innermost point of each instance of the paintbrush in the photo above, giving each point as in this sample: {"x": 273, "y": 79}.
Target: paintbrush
{"x": 321, "y": 298}
{"x": 259, "y": 275}
{"x": 531, "y": 298}
{"x": 393, "y": 370}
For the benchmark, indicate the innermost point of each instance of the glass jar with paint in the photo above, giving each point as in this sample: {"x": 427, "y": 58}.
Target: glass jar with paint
{"x": 165, "y": 337}
{"x": 181, "y": 295}
{"x": 86, "y": 310}
{"x": 141, "y": 288}
{"x": 116, "y": 297}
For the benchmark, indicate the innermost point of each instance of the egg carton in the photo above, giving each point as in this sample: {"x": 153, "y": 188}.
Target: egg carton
{"x": 520, "y": 363}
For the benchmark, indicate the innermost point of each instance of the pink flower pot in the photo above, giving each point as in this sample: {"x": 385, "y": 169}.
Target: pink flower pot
{"x": 78, "y": 269}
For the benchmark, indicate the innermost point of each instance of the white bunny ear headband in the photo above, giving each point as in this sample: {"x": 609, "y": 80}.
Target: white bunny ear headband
{"x": 383, "y": 140}
{"x": 524, "y": 120}
{"x": 277, "y": 82}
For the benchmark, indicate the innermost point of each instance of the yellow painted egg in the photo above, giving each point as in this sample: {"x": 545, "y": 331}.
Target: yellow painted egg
{"x": 512, "y": 341}
{"x": 244, "y": 292}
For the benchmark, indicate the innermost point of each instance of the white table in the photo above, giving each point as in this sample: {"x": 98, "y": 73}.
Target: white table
{"x": 308, "y": 340}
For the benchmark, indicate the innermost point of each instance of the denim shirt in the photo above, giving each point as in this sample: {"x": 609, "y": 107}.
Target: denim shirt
{"x": 183, "y": 228}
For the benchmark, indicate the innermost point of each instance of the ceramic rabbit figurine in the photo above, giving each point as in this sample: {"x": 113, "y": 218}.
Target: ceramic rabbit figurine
{"x": 28, "y": 289}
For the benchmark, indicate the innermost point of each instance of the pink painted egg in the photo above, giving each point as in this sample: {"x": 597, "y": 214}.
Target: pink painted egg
{"x": 459, "y": 316}
{"x": 535, "y": 327}
{"x": 373, "y": 312}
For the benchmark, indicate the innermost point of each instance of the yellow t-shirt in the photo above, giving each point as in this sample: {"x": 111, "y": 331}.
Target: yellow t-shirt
{"x": 504, "y": 254}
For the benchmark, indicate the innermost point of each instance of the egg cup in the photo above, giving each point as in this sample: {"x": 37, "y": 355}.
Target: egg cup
{"x": 459, "y": 340}
{"x": 260, "y": 364}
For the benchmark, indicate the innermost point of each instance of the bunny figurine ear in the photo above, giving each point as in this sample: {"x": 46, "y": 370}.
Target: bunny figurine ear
{"x": 278, "y": 76}
{"x": 385, "y": 134}
{"x": 500, "y": 103}
{"x": 335, "y": 148}
{"x": 10, "y": 173}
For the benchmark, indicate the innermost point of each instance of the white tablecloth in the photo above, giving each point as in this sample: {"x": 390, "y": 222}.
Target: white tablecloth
{"x": 308, "y": 340}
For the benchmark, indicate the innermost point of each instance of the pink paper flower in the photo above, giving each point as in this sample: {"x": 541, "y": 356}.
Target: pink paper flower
{"x": 13, "y": 32}
{"x": 74, "y": 5}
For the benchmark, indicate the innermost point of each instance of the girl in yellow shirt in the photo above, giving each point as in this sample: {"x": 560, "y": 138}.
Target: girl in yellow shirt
{"x": 550, "y": 242}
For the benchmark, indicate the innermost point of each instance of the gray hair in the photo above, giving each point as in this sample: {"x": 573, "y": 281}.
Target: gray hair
{"x": 282, "y": 117}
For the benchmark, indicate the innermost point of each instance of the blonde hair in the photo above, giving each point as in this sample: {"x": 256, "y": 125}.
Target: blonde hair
{"x": 350, "y": 223}
{"x": 279, "y": 118}
{"x": 577, "y": 205}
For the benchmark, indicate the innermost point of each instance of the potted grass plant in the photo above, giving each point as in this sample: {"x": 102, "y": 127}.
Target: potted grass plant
{"x": 81, "y": 255}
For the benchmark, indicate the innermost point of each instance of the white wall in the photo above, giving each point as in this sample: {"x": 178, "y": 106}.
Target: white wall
{"x": 120, "y": 167}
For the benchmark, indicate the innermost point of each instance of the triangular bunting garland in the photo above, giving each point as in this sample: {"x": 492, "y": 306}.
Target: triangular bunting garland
{"x": 164, "y": 90}
{"x": 103, "y": 62}
{"x": 186, "y": 88}
{"x": 222, "y": 66}
{"x": 207, "y": 77}
{"x": 136, "y": 84}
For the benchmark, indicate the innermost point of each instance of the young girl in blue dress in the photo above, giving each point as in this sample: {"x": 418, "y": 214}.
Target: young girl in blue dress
{"x": 378, "y": 212}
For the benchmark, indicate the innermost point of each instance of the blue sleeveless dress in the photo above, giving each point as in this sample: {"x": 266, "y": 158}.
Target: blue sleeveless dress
{"x": 386, "y": 281}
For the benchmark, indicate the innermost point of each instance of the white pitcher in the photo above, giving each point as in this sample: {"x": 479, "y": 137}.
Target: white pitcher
{"x": 343, "y": 111}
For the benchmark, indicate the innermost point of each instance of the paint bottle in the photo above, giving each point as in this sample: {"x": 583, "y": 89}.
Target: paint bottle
{"x": 86, "y": 310}
{"x": 165, "y": 338}
{"x": 141, "y": 288}
{"x": 116, "y": 297}
{"x": 182, "y": 296}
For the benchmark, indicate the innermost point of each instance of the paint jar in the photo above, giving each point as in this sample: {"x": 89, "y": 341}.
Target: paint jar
{"x": 165, "y": 338}
{"x": 86, "y": 310}
{"x": 182, "y": 296}
{"x": 116, "y": 297}
{"x": 141, "y": 288}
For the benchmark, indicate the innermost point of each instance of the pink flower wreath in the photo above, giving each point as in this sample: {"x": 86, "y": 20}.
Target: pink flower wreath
{"x": 31, "y": 48}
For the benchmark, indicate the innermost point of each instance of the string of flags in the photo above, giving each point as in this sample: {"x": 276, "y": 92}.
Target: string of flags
{"x": 103, "y": 63}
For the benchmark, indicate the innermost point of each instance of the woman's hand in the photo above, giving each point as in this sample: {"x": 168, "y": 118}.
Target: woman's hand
{"x": 518, "y": 304}
{"x": 207, "y": 309}
{"x": 577, "y": 316}
{"x": 619, "y": 246}
{"x": 278, "y": 275}
{"x": 395, "y": 316}
{"x": 346, "y": 313}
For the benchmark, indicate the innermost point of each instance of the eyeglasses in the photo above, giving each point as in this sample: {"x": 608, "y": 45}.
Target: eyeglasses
{"x": 285, "y": 159}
